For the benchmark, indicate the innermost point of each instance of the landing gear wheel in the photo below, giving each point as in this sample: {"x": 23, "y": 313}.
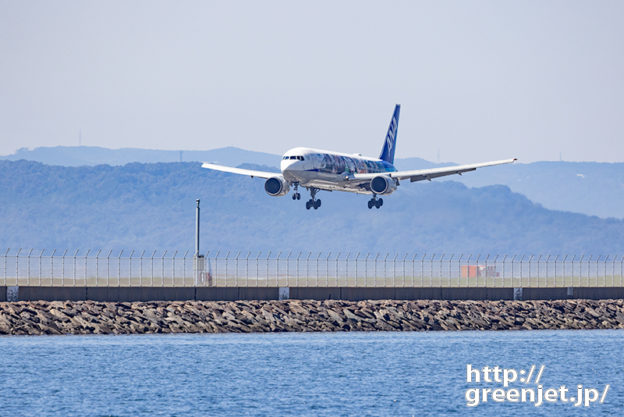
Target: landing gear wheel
{"x": 380, "y": 202}
{"x": 312, "y": 202}
{"x": 294, "y": 196}
{"x": 370, "y": 204}
{"x": 298, "y": 196}
{"x": 377, "y": 204}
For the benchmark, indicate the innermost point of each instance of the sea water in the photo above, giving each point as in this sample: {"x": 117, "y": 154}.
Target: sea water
{"x": 381, "y": 373}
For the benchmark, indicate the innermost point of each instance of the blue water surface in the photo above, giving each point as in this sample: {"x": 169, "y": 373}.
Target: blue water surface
{"x": 327, "y": 374}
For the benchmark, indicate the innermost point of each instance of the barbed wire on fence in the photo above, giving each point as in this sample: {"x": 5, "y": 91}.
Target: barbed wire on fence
{"x": 304, "y": 268}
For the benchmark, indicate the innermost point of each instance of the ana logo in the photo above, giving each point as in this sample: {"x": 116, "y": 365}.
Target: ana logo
{"x": 391, "y": 133}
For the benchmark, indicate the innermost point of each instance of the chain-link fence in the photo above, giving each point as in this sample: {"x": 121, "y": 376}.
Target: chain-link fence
{"x": 305, "y": 269}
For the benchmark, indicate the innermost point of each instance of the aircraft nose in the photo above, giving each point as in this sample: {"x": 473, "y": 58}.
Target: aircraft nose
{"x": 287, "y": 165}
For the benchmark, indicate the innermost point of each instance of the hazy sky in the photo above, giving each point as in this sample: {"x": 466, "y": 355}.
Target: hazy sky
{"x": 477, "y": 80}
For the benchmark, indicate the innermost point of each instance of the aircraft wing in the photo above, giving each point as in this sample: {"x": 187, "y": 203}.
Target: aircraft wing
{"x": 250, "y": 172}
{"x": 428, "y": 174}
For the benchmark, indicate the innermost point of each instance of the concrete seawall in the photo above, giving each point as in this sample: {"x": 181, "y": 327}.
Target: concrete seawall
{"x": 89, "y": 317}
{"x": 129, "y": 294}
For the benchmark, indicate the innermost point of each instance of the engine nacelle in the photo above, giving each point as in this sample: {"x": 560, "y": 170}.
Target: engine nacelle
{"x": 276, "y": 186}
{"x": 382, "y": 184}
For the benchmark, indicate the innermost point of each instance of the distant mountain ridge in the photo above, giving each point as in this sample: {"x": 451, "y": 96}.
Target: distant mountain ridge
{"x": 73, "y": 156}
{"x": 151, "y": 206}
{"x": 591, "y": 188}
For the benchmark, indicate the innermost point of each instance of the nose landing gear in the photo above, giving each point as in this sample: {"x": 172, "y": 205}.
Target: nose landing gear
{"x": 296, "y": 195}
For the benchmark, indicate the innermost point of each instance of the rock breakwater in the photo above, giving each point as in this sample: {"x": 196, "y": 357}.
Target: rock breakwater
{"x": 90, "y": 317}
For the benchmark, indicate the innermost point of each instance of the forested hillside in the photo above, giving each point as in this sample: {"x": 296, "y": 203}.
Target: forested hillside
{"x": 145, "y": 206}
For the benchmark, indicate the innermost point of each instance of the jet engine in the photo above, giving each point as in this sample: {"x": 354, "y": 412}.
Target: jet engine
{"x": 276, "y": 186}
{"x": 382, "y": 184}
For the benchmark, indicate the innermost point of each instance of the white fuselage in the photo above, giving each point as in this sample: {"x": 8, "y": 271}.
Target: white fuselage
{"x": 327, "y": 170}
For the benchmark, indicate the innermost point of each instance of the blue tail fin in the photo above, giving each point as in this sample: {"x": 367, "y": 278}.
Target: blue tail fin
{"x": 387, "y": 152}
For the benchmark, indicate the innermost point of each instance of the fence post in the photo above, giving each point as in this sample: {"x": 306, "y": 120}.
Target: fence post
{"x": 317, "y": 268}
{"x": 266, "y": 282}
{"x": 119, "y": 268}
{"x": 597, "y": 272}
{"x": 51, "y": 266}
{"x": 183, "y": 268}
{"x": 6, "y": 259}
{"x": 141, "y": 268}
{"x": 503, "y": 271}
{"x": 441, "y": 268}
{"x": 337, "y": 260}
{"x": 385, "y": 274}
{"x": 227, "y": 261}
{"x": 450, "y": 266}
{"x": 288, "y": 269}
{"x": 375, "y": 273}
{"x": 531, "y": 261}
{"x": 258, "y": 267}
{"x": 555, "y": 270}
{"x": 621, "y": 267}
{"x": 173, "y": 269}
{"x": 162, "y": 267}
{"x": 17, "y": 266}
{"x": 40, "y": 264}
{"x": 394, "y": 269}
{"x": 63, "y": 268}
{"x": 327, "y": 269}
{"x": 357, "y": 257}
{"x": 152, "y": 268}
{"x": 477, "y": 274}
{"x": 130, "y": 268}
{"x": 461, "y": 256}
{"x": 346, "y": 275}
{"x": 277, "y": 262}
{"x": 581, "y": 269}
{"x": 297, "y": 274}
{"x": 108, "y": 267}
{"x": 236, "y": 269}
{"x": 247, "y": 269}
{"x": 28, "y": 270}
{"x": 404, "y": 270}
{"x": 308, "y": 269}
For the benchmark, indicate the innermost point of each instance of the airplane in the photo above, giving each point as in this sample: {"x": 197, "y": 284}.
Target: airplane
{"x": 317, "y": 170}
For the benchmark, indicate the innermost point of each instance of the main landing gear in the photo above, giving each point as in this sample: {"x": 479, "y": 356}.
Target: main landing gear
{"x": 296, "y": 195}
{"x": 374, "y": 202}
{"x": 312, "y": 202}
